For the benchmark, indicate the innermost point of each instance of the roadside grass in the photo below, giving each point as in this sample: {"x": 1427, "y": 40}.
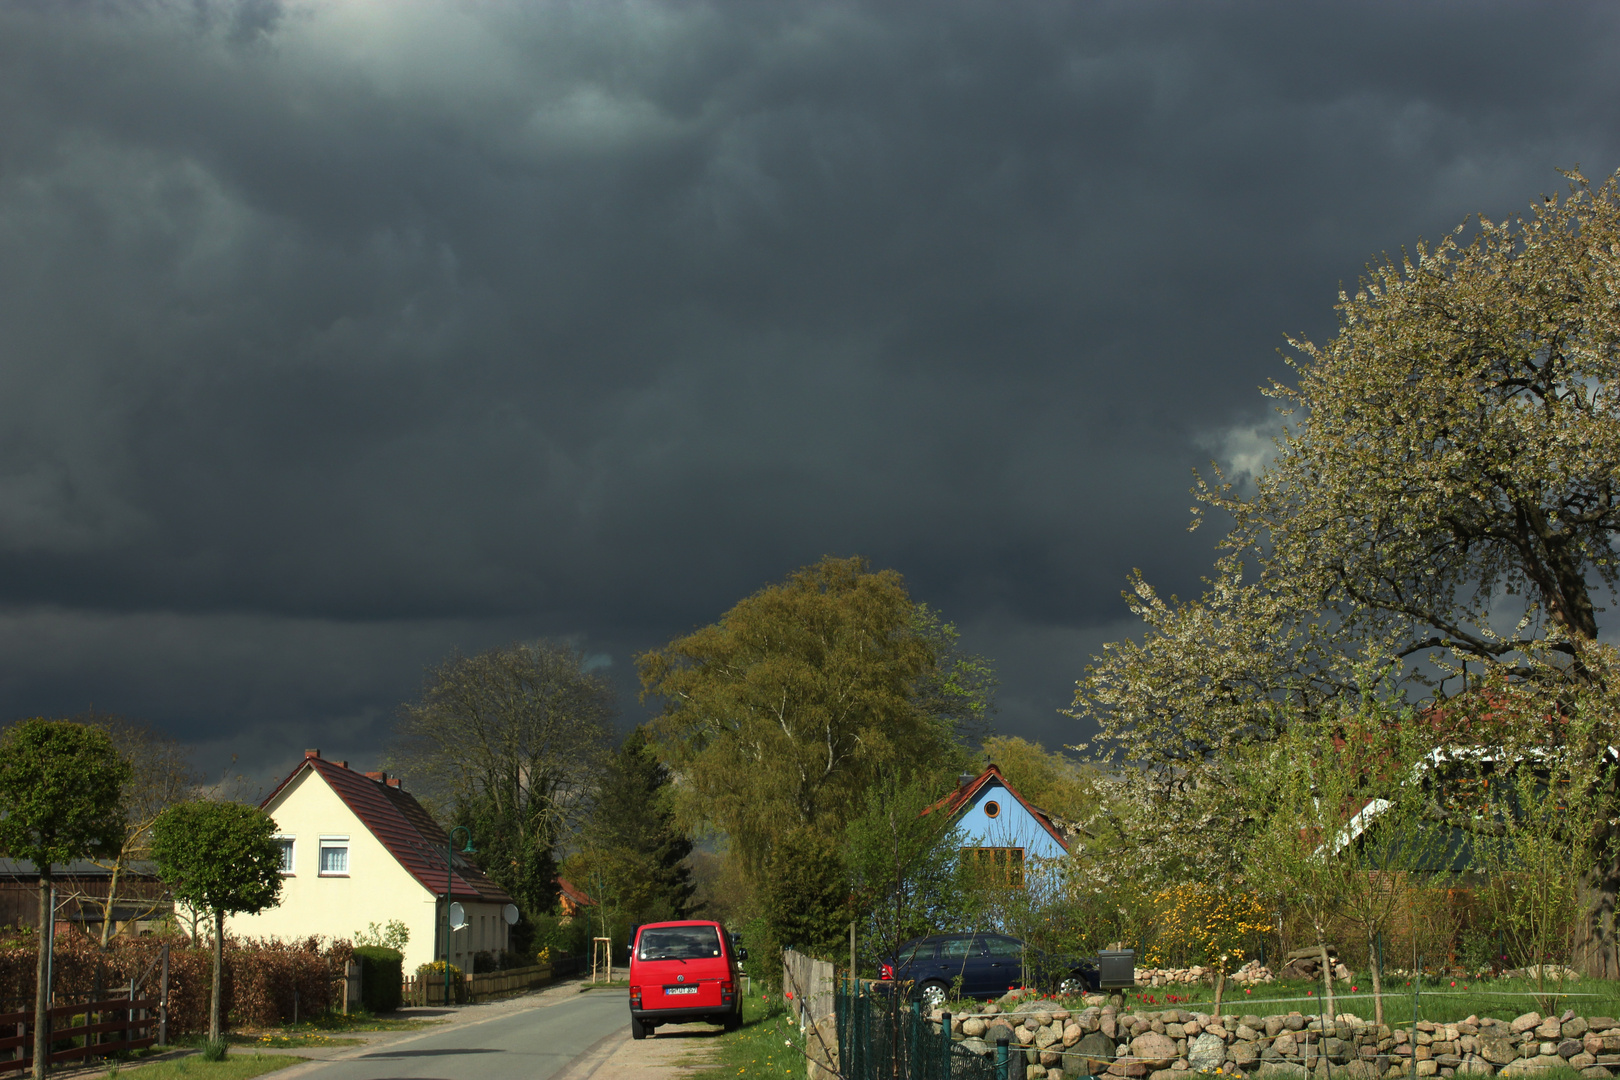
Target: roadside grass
{"x": 612, "y": 984}
{"x": 193, "y": 1067}
{"x": 767, "y": 1045}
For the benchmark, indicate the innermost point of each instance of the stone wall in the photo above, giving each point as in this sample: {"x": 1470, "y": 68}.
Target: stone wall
{"x": 1052, "y": 1042}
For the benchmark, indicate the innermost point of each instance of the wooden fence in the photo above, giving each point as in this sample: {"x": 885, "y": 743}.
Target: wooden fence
{"x": 430, "y": 989}
{"x": 95, "y": 1029}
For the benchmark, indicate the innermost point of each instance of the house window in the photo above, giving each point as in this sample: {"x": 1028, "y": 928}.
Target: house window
{"x": 1001, "y": 865}
{"x": 334, "y": 856}
{"x": 286, "y": 845}
{"x": 992, "y": 808}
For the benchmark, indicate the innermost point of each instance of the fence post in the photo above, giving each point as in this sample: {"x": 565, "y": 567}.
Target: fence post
{"x": 163, "y": 1000}
{"x": 129, "y": 1016}
{"x": 945, "y": 1045}
{"x": 1001, "y": 1057}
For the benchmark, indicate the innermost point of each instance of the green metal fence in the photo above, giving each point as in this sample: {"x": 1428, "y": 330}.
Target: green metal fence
{"x": 882, "y": 1036}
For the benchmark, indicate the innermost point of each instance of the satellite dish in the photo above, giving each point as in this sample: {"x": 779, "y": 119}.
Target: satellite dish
{"x": 510, "y": 914}
{"x": 458, "y": 916}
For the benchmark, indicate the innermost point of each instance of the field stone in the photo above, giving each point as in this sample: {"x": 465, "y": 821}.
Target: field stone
{"x": 1427, "y": 1068}
{"x": 1573, "y": 1028}
{"x": 1247, "y": 1033}
{"x": 1498, "y": 1049}
{"x": 1073, "y": 1032}
{"x": 1596, "y": 1072}
{"x": 1550, "y": 1028}
{"x": 974, "y": 1046}
{"x": 1047, "y": 1035}
{"x": 1207, "y": 1053}
{"x": 1096, "y": 1049}
{"x": 1582, "y": 1060}
{"x": 1244, "y": 1053}
{"x": 994, "y": 1031}
{"x": 973, "y": 1027}
{"x": 1154, "y": 1049}
{"x": 1274, "y": 1026}
{"x": 1030, "y": 1024}
{"x": 1525, "y": 1022}
{"x": 1050, "y": 1057}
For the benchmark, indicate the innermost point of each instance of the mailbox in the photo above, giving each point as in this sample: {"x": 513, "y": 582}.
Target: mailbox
{"x": 1116, "y": 969}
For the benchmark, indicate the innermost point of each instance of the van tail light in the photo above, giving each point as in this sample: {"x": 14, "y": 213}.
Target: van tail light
{"x": 886, "y": 971}
{"x": 635, "y": 996}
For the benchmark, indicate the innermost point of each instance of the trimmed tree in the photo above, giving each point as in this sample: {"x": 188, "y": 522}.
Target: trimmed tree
{"x": 221, "y": 858}
{"x": 61, "y": 788}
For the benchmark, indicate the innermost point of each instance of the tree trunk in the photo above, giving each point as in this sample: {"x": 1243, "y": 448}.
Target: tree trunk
{"x": 1377, "y": 977}
{"x": 1327, "y": 975}
{"x": 1597, "y": 953}
{"x": 219, "y": 976}
{"x": 107, "y": 911}
{"x": 42, "y": 995}
{"x": 1220, "y": 988}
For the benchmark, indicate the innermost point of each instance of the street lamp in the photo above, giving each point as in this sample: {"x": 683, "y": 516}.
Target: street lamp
{"x": 449, "y": 853}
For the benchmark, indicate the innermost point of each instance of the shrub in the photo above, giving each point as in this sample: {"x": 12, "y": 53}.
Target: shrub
{"x": 434, "y": 974}
{"x": 381, "y": 971}
{"x": 214, "y": 1049}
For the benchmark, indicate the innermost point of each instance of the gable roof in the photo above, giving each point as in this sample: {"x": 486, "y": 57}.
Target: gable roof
{"x": 401, "y": 825}
{"x": 964, "y": 796}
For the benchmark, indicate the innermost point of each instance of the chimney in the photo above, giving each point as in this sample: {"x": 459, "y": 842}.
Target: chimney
{"x": 964, "y": 780}
{"x": 393, "y": 781}
{"x": 380, "y": 777}
{"x": 311, "y": 754}
{"x": 341, "y": 764}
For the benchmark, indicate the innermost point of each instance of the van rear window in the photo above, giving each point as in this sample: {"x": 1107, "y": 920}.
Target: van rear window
{"x": 679, "y": 943}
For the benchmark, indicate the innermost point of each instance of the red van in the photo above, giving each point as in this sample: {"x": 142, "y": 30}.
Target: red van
{"x": 684, "y": 971}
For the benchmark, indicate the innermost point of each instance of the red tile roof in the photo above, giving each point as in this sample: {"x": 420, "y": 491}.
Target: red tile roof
{"x": 400, "y": 823}
{"x": 572, "y": 896}
{"x": 963, "y": 796}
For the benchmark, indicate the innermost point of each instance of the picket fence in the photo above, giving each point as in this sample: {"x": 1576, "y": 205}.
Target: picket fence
{"x": 430, "y": 990}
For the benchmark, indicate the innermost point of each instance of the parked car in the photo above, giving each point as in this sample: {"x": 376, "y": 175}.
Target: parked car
{"x": 988, "y": 964}
{"x": 684, "y": 971}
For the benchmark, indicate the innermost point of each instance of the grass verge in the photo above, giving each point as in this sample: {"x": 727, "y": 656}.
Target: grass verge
{"x": 767, "y": 1046}
{"x": 234, "y": 1067}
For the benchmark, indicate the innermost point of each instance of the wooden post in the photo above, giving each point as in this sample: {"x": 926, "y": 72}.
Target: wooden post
{"x": 163, "y": 1000}
{"x": 852, "y": 950}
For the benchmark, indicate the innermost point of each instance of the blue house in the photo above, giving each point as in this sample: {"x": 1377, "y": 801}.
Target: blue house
{"x": 1001, "y": 830}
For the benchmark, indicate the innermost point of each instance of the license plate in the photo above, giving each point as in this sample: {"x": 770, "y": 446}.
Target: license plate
{"x": 680, "y": 989}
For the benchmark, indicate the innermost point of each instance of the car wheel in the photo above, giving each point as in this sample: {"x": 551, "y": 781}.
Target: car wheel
{"x": 932, "y": 995}
{"x": 1071, "y": 987}
{"x": 638, "y": 1030}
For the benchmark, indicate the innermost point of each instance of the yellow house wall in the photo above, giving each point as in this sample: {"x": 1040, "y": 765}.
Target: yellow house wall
{"x": 377, "y": 889}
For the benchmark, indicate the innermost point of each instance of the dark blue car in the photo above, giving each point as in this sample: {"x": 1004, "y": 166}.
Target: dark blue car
{"x": 988, "y": 964}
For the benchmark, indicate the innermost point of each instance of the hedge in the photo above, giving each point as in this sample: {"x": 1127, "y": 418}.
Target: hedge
{"x": 382, "y": 970}
{"x": 261, "y": 976}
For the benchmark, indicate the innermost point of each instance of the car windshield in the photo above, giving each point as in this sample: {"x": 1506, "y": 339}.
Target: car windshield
{"x": 679, "y": 943}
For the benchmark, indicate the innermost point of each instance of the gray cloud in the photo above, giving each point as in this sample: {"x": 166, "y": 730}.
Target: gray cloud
{"x": 334, "y": 336}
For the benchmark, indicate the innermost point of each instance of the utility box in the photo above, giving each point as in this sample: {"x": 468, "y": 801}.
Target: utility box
{"x": 1116, "y": 969}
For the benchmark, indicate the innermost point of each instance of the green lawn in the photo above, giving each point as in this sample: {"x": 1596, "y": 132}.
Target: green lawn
{"x": 1438, "y": 999}
{"x": 193, "y": 1067}
{"x": 767, "y": 1045}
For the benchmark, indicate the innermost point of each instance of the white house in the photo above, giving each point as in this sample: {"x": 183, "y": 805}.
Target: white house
{"x": 1001, "y": 830}
{"x": 359, "y": 849}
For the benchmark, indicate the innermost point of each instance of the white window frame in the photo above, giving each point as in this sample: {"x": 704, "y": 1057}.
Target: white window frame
{"x": 334, "y": 843}
{"x": 289, "y": 857}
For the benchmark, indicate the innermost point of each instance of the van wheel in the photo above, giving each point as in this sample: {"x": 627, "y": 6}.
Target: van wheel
{"x": 733, "y": 1021}
{"x": 638, "y": 1030}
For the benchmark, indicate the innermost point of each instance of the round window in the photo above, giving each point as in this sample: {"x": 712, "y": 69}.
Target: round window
{"x": 992, "y": 808}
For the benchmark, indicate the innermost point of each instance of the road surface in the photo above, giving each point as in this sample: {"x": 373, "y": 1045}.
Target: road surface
{"x": 531, "y": 1044}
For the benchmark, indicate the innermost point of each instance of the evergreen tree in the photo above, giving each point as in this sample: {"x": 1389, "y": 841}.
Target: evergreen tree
{"x": 632, "y": 842}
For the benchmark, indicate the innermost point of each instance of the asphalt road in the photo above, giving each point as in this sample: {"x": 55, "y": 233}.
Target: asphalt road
{"x": 531, "y": 1044}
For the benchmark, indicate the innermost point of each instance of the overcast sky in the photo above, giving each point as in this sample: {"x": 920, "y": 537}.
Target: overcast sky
{"x": 337, "y": 335}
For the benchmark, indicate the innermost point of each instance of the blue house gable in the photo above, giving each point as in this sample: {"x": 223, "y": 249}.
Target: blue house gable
{"x": 1000, "y": 830}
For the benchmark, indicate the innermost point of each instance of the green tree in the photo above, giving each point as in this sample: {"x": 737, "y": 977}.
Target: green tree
{"x": 631, "y": 839}
{"x": 1048, "y": 779}
{"x": 781, "y": 715}
{"x": 221, "y": 858}
{"x": 61, "y": 798}
{"x": 906, "y": 875}
{"x": 506, "y": 743}
{"x": 805, "y": 899}
{"x": 1446, "y": 491}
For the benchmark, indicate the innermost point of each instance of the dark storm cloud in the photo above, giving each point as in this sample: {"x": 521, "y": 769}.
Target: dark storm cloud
{"x": 333, "y": 336}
